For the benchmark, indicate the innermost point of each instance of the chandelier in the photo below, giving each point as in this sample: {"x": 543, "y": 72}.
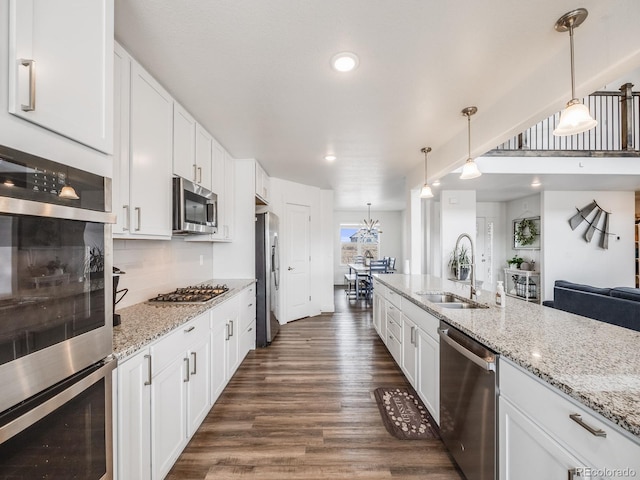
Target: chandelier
{"x": 368, "y": 233}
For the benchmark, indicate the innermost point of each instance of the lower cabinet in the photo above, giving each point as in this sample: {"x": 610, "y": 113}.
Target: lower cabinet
{"x": 411, "y": 335}
{"x": 543, "y": 433}
{"x": 165, "y": 391}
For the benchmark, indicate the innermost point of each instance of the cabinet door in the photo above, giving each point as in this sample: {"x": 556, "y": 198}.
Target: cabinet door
{"x": 204, "y": 156}
{"x": 229, "y": 196}
{"x": 247, "y": 340}
{"x": 428, "y": 376}
{"x": 134, "y": 417}
{"x": 199, "y": 384}
{"x": 527, "y": 452}
{"x": 151, "y": 152}
{"x": 409, "y": 350}
{"x": 120, "y": 185}
{"x": 168, "y": 416}
{"x": 184, "y": 144}
{"x": 233, "y": 346}
{"x": 61, "y": 67}
{"x": 218, "y": 359}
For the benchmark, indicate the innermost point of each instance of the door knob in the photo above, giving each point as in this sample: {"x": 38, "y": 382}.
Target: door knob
{"x": 289, "y": 268}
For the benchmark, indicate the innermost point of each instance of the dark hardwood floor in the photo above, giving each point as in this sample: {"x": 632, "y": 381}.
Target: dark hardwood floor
{"x": 303, "y": 408}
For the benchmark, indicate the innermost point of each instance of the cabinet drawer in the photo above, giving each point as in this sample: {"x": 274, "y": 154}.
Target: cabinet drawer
{"x": 178, "y": 342}
{"x": 247, "y": 307}
{"x": 394, "y": 324}
{"x": 551, "y": 409}
{"x": 394, "y": 298}
{"x": 394, "y": 346}
{"x": 379, "y": 288}
{"x": 422, "y": 319}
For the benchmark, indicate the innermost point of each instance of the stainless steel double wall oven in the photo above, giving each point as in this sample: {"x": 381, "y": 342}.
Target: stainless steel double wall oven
{"x": 55, "y": 320}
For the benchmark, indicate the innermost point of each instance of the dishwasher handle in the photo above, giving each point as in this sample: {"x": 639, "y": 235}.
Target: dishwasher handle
{"x": 481, "y": 362}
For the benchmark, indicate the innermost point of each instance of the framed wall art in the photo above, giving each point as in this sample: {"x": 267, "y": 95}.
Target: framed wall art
{"x": 526, "y": 233}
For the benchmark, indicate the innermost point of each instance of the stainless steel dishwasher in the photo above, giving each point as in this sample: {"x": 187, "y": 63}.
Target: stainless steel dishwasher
{"x": 468, "y": 403}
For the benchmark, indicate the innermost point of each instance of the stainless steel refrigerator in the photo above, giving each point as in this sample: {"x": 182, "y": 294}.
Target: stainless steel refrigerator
{"x": 268, "y": 278}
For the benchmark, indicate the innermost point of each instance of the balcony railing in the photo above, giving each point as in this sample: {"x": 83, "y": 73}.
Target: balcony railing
{"x": 617, "y": 132}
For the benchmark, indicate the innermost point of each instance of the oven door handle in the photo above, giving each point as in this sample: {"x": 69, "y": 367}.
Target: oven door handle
{"x": 481, "y": 362}
{"x": 21, "y": 423}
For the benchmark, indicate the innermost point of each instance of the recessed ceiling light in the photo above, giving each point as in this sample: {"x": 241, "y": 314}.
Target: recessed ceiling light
{"x": 345, "y": 61}
{"x": 536, "y": 183}
{"x": 330, "y": 158}
{"x": 436, "y": 183}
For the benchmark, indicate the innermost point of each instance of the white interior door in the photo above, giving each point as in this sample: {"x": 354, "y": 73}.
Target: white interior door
{"x": 296, "y": 269}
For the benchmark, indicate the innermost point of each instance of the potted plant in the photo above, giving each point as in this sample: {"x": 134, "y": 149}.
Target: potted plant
{"x": 516, "y": 260}
{"x": 459, "y": 263}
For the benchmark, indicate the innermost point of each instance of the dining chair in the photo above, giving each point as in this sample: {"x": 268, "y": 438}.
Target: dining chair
{"x": 375, "y": 266}
{"x": 392, "y": 265}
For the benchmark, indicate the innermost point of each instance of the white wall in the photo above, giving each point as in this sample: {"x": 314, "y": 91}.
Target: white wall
{"x": 390, "y": 239}
{"x": 321, "y": 271}
{"x": 567, "y": 256}
{"x": 495, "y": 258}
{"x": 157, "y": 266}
{"x": 457, "y": 215}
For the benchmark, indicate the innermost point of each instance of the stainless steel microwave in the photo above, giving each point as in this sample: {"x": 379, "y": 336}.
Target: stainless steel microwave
{"x": 195, "y": 209}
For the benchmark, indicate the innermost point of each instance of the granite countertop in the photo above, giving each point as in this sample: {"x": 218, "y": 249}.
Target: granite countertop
{"x": 143, "y": 323}
{"x": 595, "y": 363}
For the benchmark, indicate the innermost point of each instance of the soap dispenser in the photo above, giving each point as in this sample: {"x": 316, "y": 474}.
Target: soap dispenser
{"x": 500, "y": 295}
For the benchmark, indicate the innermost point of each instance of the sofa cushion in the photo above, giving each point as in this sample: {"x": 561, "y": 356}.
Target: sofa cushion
{"x": 627, "y": 293}
{"x": 582, "y": 288}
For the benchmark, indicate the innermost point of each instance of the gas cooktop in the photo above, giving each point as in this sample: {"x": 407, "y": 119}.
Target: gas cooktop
{"x": 191, "y": 295}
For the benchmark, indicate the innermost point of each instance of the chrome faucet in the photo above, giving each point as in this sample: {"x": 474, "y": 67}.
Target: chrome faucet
{"x": 473, "y": 262}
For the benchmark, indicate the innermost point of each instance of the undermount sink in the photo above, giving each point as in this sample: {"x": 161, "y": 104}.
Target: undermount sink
{"x": 449, "y": 300}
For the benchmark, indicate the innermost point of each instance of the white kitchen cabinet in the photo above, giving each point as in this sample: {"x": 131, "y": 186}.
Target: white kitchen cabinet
{"x": 552, "y": 427}
{"x": 428, "y": 374}
{"x": 247, "y": 321}
{"x": 184, "y": 144}
{"x": 163, "y": 396}
{"x": 218, "y": 358}
{"x": 168, "y": 417}
{"x": 527, "y": 452}
{"x": 204, "y": 156}
{"x": 133, "y": 409}
{"x": 61, "y": 68}
{"x": 263, "y": 186}
{"x": 143, "y": 152}
{"x": 223, "y": 181}
{"x": 227, "y": 315}
{"x": 409, "y": 363}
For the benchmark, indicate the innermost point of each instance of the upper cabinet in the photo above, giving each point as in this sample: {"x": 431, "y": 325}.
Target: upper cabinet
{"x": 61, "y": 68}
{"x": 143, "y": 156}
{"x": 192, "y": 154}
{"x": 263, "y": 187}
{"x": 223, "y": 181}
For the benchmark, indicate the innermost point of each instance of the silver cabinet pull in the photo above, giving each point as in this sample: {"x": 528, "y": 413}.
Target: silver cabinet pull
{"x": 598, "y": 432}
{"x": 31, "y": 64}
{"x": 127, "y": 220}
{"x": 137, "y": 210}
{"x": 412, "y": 336}
{"x": 194, "y": 356}
{"x": 199, "y": 174}
{"x": 190, "y": 329}
{"x": 231, "y": 323}
{"x": 227, "y": 332}
{"x": 148, "y": 382}
{"x": 186, "y": 360}
{"x": 195, "y": 172}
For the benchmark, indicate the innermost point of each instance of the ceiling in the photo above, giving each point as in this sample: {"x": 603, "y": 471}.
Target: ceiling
{"x": 256, "y": 74}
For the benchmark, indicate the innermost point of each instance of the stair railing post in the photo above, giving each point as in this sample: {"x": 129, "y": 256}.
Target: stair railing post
{"x": 626, "y": 117}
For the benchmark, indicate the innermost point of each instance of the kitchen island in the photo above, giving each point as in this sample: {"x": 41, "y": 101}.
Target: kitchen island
{"x": 595, "y": 363}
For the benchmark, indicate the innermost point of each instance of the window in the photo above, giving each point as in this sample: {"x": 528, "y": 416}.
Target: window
{"x": 352, "y": 243}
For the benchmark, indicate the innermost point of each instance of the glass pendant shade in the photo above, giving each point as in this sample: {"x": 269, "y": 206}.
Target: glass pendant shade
{"x": 574, "y": 119}
{"x": 426, "y": 192}
{"x": 68, "y": 192}
{"x": 470, "y": 170}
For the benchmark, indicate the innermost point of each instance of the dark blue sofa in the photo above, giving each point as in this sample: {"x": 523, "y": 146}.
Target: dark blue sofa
{"x": 618, "y": 306}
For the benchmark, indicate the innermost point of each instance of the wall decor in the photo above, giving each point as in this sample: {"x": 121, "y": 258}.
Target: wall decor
{"x": 526, "y": 233}
{"x": 593, "y": 224}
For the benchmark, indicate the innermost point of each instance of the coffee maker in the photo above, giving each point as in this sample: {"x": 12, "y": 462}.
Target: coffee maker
{"x": 116, "y": 278}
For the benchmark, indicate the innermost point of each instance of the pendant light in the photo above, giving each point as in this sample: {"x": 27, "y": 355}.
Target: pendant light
{"x": 426, "y": 189}
{"x": 369, "y": 231}
{"x": 575, "y": 118}
{"x": 470, "y": 169}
